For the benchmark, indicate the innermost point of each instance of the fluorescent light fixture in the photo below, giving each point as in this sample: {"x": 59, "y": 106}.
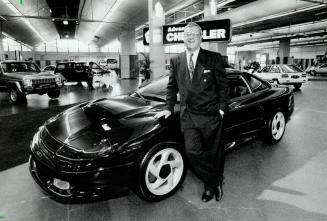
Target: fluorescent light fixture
{"x": 109, "y": 13}
{"x": 17, "y": 12}
{"x": 65, "y": 22}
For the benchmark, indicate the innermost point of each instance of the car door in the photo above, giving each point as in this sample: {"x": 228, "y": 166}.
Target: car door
{"x": 245, "y": 114}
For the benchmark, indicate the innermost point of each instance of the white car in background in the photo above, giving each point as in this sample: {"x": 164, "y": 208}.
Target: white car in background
{"x": 283, "y": 74}
{"x": 320, "y": 69}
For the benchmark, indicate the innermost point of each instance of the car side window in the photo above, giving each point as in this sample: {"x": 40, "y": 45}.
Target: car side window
{"x": 275, "y": 69}
{"x": 265, "y": 69}
{"x": 255, "y": 84}
{"x": 61, "y": 67}
{"x": 237, "y": 87}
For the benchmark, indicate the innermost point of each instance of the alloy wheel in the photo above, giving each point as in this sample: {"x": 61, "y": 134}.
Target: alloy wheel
{"x": 278, "y": 125}
{"x": 164, "y": 171}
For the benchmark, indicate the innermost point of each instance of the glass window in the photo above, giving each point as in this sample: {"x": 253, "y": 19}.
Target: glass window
{"x": 80, "y": 66}
{"x": 20, "y": 67}
{"x": 275, "y": 69}
{"x": 290, "y": 68}
{"x": 266, "y": 69}
{"x": 237, "y": 86}
{"x": 61, "y": 67}
{"x": 157, "y": 89}
{"x": 255, "y": 84}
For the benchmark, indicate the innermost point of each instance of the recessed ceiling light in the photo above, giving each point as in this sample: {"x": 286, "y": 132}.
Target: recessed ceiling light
{"x": 65, "y": 22}
{"x": 52, "y": 19}
{"x": 66, "y": 36}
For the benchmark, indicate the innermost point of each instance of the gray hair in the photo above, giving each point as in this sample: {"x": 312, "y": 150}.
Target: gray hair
{"x": 191, "y": 25}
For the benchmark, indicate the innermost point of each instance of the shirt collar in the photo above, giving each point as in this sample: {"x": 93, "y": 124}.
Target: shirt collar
{"x": 195, "y": 55}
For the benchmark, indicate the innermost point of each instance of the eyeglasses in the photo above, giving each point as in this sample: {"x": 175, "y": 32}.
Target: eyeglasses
{"x": 189, "y": 35}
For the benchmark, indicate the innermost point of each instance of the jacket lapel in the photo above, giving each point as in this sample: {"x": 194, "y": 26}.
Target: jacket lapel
{"x": 184, "y": 69}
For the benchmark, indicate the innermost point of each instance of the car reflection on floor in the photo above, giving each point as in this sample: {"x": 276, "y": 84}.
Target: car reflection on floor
{"x": 71, "y": 93}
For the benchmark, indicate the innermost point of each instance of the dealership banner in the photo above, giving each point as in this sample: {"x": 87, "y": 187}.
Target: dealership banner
{"x": 215, "y": 31}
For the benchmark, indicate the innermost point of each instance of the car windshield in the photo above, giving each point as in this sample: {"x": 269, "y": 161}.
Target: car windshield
{"x": 290, "y": 68}
{"x": 17, "y": 67}
{"x": 96, "y": 66}
{"x": 157, "y": 89}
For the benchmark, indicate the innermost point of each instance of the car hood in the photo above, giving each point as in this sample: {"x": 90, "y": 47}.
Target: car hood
{"x": 100, "y": 125}
{"x": 29, "y": 75}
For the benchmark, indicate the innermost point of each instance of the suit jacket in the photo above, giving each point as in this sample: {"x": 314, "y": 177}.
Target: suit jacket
{"x": 203, "y": 96}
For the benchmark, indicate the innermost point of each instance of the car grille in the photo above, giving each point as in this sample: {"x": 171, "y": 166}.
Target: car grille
{"x": 50, "y": 146}
{"x": 304, "y": 75}
{"x": 43, "y": 81}
{"x": 50, "y": 143}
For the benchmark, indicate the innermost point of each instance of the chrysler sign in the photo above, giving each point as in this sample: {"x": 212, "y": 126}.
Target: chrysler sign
{"x": 215, "y": 31}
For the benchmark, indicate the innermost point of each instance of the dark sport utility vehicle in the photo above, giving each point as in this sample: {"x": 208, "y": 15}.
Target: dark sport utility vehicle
{"x": 73, "y": 71}
{"x": 20, "y": 78}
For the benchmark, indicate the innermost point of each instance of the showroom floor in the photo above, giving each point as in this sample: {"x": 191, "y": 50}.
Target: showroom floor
{"x": 280, "y": 182}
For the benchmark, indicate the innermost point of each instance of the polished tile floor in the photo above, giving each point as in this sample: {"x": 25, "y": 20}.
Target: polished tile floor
{"x": 283, "y": 182}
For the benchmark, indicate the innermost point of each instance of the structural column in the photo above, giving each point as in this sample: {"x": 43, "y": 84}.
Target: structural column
{"x": 210, "y": 13}
{"x": 2, "y": 52}
{"x": 128, "y": 51}
{"x": 284, "y": 51}
{"x": 157, "y": 50}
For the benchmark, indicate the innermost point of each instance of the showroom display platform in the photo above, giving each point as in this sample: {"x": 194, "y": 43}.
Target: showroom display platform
{"x": 262, "y": 182}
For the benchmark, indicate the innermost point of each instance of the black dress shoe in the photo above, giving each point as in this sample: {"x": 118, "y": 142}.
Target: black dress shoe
{"x": 219, "y": 192}
{"x": 208, "y": 194}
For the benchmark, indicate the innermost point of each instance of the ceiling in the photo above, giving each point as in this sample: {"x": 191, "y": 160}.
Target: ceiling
{"x": 94, "y": 22}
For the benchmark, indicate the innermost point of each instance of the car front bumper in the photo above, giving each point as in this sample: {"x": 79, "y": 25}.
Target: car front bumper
{"x": 81, "y": 186}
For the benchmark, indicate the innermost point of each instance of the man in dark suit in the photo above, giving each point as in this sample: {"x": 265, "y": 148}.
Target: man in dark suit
{"x": 200, "y": 78}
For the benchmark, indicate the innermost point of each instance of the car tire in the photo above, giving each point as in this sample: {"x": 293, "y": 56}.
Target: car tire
{"x": 275, "y": 127}
{"x": 314, "y": 73}
{"x": 54, "y": 94}
{"x": 15, "y": 96}
{"x": 161, "y": 172}
{"x": 297, "y": 86}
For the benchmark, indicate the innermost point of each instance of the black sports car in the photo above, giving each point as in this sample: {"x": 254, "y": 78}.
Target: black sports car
{"x": 102, "y": 147}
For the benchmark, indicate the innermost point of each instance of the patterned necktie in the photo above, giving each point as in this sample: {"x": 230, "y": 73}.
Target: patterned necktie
{"x": 191, "y": 66}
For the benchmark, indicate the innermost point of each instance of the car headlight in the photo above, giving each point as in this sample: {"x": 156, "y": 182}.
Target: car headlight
{"x": 58, "y": 80}
{"x": 28, "y": 83}
{"x": 104, "y": 147}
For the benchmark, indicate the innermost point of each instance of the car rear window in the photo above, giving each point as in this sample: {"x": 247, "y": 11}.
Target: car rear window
{"x": 61, "y": 67}
{"x": 290, "y": 68}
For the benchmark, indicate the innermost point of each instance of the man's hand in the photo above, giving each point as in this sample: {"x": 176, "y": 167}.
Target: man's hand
{"x": 165, "y": 113}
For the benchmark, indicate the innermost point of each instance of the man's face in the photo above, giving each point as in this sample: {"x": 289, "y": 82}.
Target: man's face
{"x": 192, "y": 38}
